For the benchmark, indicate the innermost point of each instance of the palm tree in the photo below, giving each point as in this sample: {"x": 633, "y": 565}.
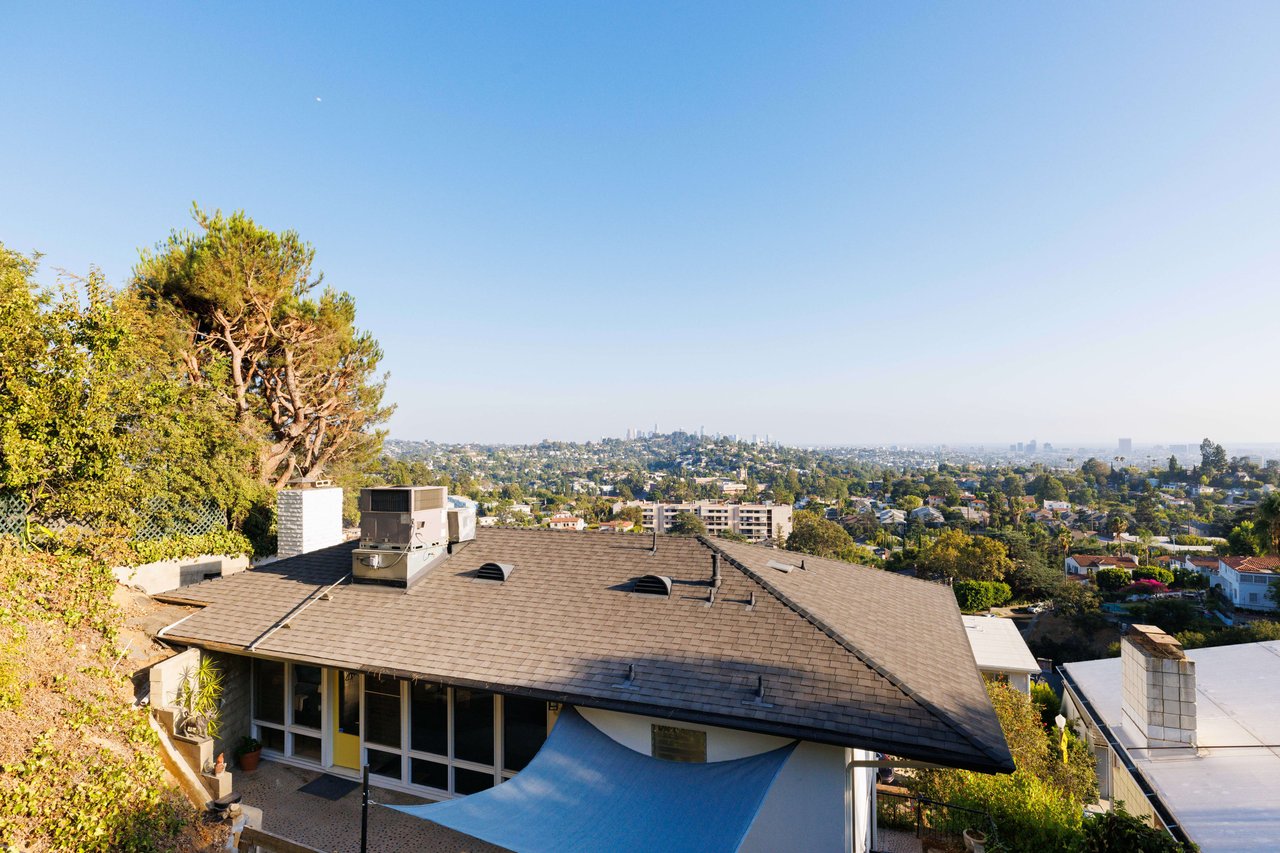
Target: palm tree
{"x": 1267, "y": 518}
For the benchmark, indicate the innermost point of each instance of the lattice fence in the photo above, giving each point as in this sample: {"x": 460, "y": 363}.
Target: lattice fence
{"x": 13, "y": 515}
{"x": 162, "y": 522}
{"x": 159, "y": 522}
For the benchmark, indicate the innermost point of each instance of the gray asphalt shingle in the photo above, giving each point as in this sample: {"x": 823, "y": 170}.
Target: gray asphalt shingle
{"x": 828, "y": 640}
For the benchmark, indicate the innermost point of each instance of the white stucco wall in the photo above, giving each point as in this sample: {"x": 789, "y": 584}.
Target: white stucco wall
{"x": 804, "y": 810}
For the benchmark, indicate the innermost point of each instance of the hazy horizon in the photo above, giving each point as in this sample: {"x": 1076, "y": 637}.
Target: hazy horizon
{"x": 836, "y": 224}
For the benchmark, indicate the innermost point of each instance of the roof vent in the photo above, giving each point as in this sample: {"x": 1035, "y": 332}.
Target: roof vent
{"x": 494, "y": 572}
{"x": 782, "y": 567}
{"x": 653, "y": 585}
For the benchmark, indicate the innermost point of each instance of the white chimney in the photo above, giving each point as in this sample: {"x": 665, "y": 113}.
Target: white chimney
{"x": 1159, "y": 688}
{"x": 308, "y": 517}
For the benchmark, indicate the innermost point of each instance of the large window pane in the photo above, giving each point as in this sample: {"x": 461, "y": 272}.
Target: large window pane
{"x": 307, "y": 747}
{"x": 271, "y": 738}
{"x": 473, "y": 725}
{"x": 268, "y": 691}
{"x": 382, "y": 710}
{"x": 306, "y": 696}
{"x": 433, "y": 774}
{"x": 384, "y": 763}
{"x": 429, "y": 718}
{"x": 524, "y": 728}
{"x": 470, "y": 782}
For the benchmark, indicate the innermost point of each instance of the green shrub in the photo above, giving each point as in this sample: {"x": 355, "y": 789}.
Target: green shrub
{"x": 1154, "y": 573}
{"x": 1049, "y": 703}
{"x": 227, "y": 542}
{"x": 974, "y": 596}
{"x": 1117, "y": 831}
{"x": 1038, "y": 807}
{"x": 1111, "y": 580}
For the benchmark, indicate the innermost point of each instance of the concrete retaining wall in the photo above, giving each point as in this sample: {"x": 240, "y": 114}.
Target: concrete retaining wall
{"x": 165, "y": 575}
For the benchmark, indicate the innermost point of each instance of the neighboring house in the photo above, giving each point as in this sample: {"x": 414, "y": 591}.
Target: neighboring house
{"x": 1000, "y": 651}
{"x": 622, "y": 525}
{"x": 972, "y": 514}
{"x": 1207, "y": 566}
{"x": 1186, "y": 739}
{"x": 1057, "y": 506}
{"x": 566, "y": 522}
{"x": 1088, "y": 564}
{"x": 928, "y": 516}
{"x": 891, "y": 517}
{"x": 690, "y": 650}
{"x": 1247, "y": 580}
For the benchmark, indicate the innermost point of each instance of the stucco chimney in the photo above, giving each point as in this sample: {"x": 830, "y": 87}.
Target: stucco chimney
{"x": 308, "y": 517}
{"x": 1159, "y": 687}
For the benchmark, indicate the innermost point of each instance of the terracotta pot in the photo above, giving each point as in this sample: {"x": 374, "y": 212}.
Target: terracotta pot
{"x": 249, "y": 760}
{"x": 975, "y": 841}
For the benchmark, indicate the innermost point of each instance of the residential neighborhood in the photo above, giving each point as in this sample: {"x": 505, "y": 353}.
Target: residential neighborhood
{"x": 654, "y": 427}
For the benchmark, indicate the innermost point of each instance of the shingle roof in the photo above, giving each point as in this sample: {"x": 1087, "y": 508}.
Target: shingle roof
{"x": 849, "y": 655}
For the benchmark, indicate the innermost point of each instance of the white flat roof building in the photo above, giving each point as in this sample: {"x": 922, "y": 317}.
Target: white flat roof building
{"x": 1223, "y": 792}
{"x": 998, "y": 649}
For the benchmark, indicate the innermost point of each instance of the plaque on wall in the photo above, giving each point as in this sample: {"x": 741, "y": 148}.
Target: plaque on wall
{"x": 673, "y": 743}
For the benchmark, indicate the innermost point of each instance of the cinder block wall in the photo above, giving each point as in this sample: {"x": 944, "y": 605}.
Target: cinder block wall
{"x": 237, "y": 710}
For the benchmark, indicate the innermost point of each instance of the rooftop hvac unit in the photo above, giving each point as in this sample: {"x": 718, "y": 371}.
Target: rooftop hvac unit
{"x": 403, "y": 517}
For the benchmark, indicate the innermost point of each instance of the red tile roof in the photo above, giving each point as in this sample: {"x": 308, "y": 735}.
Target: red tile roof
{"x": 1094, "y": 561}
{"x": 1254, "y": 565}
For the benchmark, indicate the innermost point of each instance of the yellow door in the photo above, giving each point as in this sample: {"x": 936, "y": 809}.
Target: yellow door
{"x": 346, "y": 720}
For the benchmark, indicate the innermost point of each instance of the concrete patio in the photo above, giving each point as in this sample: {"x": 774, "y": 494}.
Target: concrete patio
{"x": 334, "y": 825}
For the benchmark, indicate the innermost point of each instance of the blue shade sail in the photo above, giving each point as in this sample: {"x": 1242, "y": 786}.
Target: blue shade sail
{"x": 584, "y": 792}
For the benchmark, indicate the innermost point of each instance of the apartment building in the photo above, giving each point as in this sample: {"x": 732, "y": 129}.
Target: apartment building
{"x": 757, "y": 522}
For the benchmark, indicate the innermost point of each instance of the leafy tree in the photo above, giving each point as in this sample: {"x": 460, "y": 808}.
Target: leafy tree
{"x": 1095, "y": 469}
{"x": 1267, "y": 522}
{"x": 292, "y": 370}
{"x": 956, "y": 554}
{"x": 95, "y": 424}
{"x": 1213, "y": 458}
{"x": 1050, "y": 488}
{"x": 910, "y": 502}
{"x": 1243, "y": 540}
{"x": 687, "y": 523}
{"x": 634, "y": 514}
{"x": 813, "y": 534}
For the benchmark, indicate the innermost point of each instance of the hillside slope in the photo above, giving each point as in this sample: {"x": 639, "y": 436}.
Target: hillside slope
{"x": 78, "y": 764}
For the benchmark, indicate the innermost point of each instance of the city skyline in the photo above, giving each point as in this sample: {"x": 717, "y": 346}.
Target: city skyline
{"x": 837, "y": 224}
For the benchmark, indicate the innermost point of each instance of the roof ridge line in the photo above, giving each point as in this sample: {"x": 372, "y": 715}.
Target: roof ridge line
{"x": 861, "y": 655}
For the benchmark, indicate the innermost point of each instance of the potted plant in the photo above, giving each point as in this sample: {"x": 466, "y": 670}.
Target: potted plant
{"x": 248, "y": 753}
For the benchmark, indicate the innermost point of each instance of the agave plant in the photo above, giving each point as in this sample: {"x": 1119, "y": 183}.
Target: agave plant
{"x": 199, "y": 699}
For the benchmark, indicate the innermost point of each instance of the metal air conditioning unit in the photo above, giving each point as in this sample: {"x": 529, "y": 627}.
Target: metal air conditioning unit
{"x": 403, "y": 531}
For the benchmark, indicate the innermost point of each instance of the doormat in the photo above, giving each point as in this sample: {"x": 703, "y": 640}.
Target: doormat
{"x": 329, "y": 787}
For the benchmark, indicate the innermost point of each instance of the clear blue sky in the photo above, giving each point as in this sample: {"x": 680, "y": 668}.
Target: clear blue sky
{"x": 855, "y": 222}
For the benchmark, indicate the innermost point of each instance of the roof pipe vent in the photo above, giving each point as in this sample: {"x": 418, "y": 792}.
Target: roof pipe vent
{"x": 654, "y": 549}
{"x": 715, "y": 570}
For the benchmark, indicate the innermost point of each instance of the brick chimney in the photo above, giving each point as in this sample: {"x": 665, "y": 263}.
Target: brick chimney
{"x": 308, "y": 517}
{"x": 1159, "y": 687}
